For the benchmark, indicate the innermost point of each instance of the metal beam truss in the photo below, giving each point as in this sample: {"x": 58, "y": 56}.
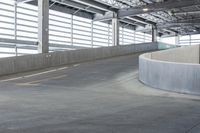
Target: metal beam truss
{"x": 155, "y": 7}
{"x": 66, "y": 31}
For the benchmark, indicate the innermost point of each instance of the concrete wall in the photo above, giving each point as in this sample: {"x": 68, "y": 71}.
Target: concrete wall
{"x": 18, "y": 64}
{"x": 173, "y": 70}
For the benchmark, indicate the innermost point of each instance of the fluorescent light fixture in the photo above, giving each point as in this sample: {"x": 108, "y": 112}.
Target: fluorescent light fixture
{"x": 145, "y": 9}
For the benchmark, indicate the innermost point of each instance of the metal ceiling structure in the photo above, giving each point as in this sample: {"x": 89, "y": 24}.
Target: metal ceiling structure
{"x": 171, "y": 17}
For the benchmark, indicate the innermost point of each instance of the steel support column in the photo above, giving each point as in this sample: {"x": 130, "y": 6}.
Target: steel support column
{"x": 154, "y": 33}
{"x": 92, "y": 34}
{"x": 15, "y": 27}
{"x": 72, "y": 29}
{"x": 43, "y": 26}
{"x": 115, "y": 30}
{"x": 108, "y": 34}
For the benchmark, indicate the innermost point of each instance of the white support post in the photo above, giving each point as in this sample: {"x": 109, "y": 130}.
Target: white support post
{"x": 15, "y": 26}
{"x": 122, "y": 35}
{"x": 92, "y": 25}
{"x": 43, "y": 26}
{"x": 134, "y": 37}
{"x": 108, "y": 34}
{"x": 115, "y": 30}
{"x": 72, "y": 29}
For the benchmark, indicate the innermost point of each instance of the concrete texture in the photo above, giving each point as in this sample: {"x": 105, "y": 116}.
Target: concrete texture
{"x": 104, "y": 96}
{"x": 38, "y": 61}
{"x": 173, "y": 70}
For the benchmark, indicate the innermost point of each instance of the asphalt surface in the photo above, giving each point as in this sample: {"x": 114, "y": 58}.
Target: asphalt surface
{"x": 103, "y": 96}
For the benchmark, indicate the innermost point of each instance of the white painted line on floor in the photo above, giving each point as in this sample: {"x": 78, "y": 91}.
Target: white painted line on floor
{"x": 36, "y": 74}
{"x": 36, "y": 82}
{"x": 54, "y": 70}
{"x": 25, "y": 84}
{"x": 76, "y": 65}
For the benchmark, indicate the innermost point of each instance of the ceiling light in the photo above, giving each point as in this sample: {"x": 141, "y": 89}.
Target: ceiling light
{"x": 145, "y": 9}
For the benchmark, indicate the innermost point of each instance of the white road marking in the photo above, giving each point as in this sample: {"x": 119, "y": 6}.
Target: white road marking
{"x": 36, "y": 82}
{"x": 76, "y": 65}
{"x": 36, "y": 74}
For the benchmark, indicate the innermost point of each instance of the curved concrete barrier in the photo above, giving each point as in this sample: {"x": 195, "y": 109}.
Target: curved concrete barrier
{"x": 173, "y": 70}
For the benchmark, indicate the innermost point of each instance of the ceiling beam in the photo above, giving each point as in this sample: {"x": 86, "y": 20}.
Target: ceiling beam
{"x": 97, "y": 5}
{"x": 23, "y": 1}
{"x": 187, "y": 12}
{"x": 182, "y": 34}
{"x": 142, "y": 20}
{"x": 174, "y": 25}
{"x": 86, "y": 5}
{"x": 180, "y": 23}
{"x": 132, "y": 22}
{"x": 155, "y": 7}
{"x": 67, "y": 9}
{"x": 79, "y": 6}
{"x": 110, "y": 10}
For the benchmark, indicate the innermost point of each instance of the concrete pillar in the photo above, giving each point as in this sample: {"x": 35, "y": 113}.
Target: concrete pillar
{"x": 154, "y": 33}
{"x": 115, "y": 30}
{"x": 43, "y": 26}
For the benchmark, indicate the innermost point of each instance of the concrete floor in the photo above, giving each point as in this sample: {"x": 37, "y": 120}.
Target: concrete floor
{"x": 104, "y": 96}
